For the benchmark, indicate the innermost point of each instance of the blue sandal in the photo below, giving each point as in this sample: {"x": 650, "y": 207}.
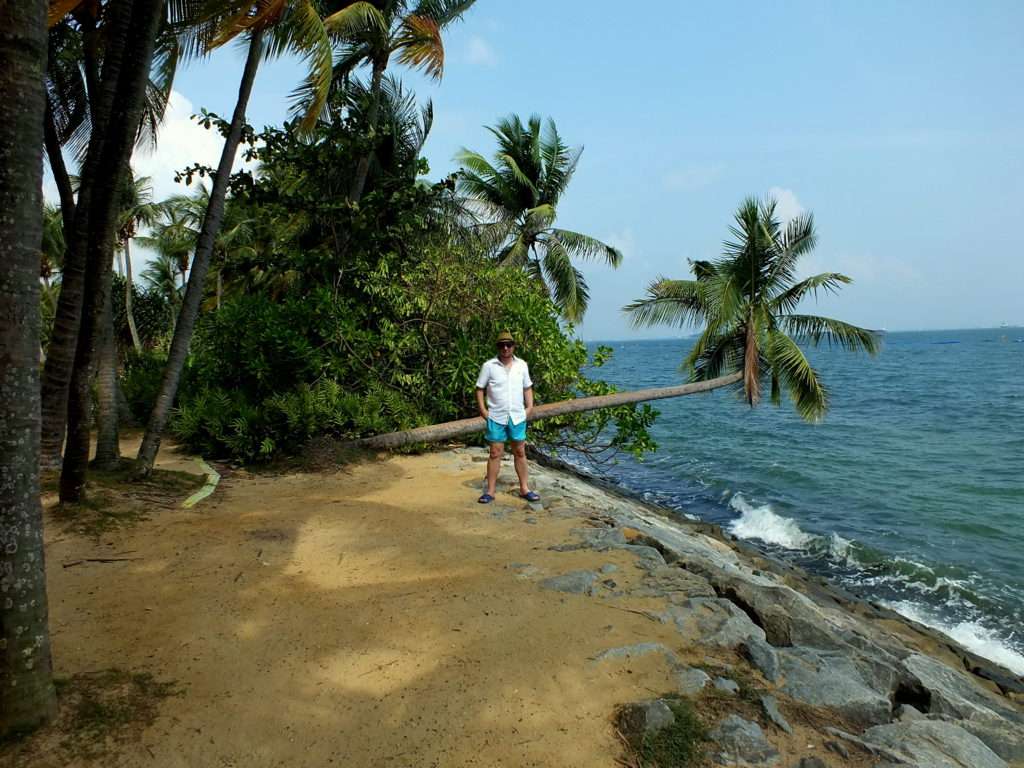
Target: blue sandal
{"x": 530, "y": 496}
{"x": 485, "y": 499}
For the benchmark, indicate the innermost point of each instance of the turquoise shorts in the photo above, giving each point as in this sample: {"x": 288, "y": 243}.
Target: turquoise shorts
{"x": 504, "y": 433}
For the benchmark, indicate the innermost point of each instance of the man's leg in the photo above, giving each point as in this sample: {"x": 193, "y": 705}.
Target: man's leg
{"x": 519, "y": 456}
{"x": 494, "y": 466}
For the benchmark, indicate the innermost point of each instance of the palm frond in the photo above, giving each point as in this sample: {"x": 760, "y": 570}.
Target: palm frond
{"x": 420, "y": 46}
{"x": 669, "y": 302}
{"x": 568, "y": 287}
{"x": 587, "y": 247}
{"x": 829, "y": 282}
{"x": 813, "y": 328}
{"x": 788, "y": 363}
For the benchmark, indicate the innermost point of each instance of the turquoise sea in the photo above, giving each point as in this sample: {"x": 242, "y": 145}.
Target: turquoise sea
{"x": 909, "y": 493}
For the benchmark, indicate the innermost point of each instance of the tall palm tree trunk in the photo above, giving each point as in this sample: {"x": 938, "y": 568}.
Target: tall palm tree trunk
{"x": 108, "y": 452}
{"x": 60, "y": 357}
{"x": 200, "y": 265}
{"x": 27, "y": 697}
{"x": 128, "y": 291}
{"x": 121, "y": 129}
{"x": 448, "y": 430}
{"x": 363, "y": 169}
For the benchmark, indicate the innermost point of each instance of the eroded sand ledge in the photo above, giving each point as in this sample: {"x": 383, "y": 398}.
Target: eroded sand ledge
{"x": 380, "y": 617}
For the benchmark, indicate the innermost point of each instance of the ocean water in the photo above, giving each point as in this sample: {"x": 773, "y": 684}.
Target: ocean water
{"x": 909, "y": 493}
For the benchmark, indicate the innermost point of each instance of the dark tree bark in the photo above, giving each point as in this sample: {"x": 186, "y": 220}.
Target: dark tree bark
{"x": 26, "y": 672}
{"x": 120, "y": 130}
{"x": 450, "y": 429}
{"x": 363, "y": 168}
{"x": 61, "y": 177}
{"x": 60, "y": 357}
{"x": 200, "y": 266}
{"x": 108, "y": 453}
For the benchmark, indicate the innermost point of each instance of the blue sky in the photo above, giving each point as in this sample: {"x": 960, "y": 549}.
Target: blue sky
{"x": 899, "y": 125}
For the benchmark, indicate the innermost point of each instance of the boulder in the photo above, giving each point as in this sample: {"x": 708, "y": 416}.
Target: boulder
{"x": 824, "y": 678}
{"x": 713, "y": 621}
{"x": 574, "y": 582}
{"x": 763, "y": 657}
{"x": 955, "y": 694}
{"x": 771, "y": 711}
{"x": 741, "y": 742}
{"x": 934, "y": 744}
{"x": 727, "y": 686}
{"x": 999, "y": 735}
{"x": 646, "y": 717}
{"x": 637, "y": 649}
{"x": 690, "y": 681}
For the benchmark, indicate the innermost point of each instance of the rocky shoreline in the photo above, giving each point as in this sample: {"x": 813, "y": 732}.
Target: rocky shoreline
{"x": 879, "y": 690}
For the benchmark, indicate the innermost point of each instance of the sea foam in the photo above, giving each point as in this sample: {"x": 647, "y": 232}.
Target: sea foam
{"x": 763, "y": 524}
{"x": 970, "y": 634}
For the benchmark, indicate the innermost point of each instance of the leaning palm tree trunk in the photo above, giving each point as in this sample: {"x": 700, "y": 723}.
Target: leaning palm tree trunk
{"x": 200, "y": 265}
{"x": 121, "y": 130}
{"x": 448, "y": 430}
{"x": 61, "y": 351}
{"x": 26, "y": 673}
{"x": 363, "y": 168}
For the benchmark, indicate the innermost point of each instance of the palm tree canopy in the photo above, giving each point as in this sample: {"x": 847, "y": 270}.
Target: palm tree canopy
{"x": 747, "y": 302}
{"x": 515, "y": 199}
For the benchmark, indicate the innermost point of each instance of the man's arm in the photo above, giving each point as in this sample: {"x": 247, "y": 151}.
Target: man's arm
{"x": 481, "y": 404}
{"x": 528, "y": 400}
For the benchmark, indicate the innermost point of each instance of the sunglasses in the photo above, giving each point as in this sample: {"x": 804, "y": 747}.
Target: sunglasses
{"x": 504, "y": 344}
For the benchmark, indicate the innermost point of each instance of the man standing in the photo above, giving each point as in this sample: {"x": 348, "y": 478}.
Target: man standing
{"x": 509, "y": 402}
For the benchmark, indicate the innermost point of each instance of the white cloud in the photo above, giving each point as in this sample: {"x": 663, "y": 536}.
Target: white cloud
{"x": 692, "y": 179}
{"x": 181, "y": 142}
{"x": 625, "y": 241}
{"x": 479, "y": 51}
{"x": 787, "y": 207}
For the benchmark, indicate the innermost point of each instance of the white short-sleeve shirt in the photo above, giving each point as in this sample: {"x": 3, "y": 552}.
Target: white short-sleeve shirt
{"x": 505, "y": 386}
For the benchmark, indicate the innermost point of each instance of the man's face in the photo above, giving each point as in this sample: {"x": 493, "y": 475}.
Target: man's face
{"x": 506, "y": 349}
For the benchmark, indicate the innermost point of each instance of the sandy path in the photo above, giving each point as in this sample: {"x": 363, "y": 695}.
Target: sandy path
{"x": 371, "y": 617}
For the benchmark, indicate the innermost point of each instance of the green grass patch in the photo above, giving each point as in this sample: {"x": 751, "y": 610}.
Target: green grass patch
{"x": 676, "y": 746}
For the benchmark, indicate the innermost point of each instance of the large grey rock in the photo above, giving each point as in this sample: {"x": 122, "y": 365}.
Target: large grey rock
{"x": 788, "y": 618}
{"x": 934, "y": 744}
{"x": 674, "y": 583}
{"x": 832, "y": 679}
{"x": 646, "y": 717}
{"x": 575, "y": 582}
{"x": 955, "y": 694}
{"x": 648, "y": 558}
{"x": 690, "y": 681}
{"x": 763, "y": 657}
{"x": 713, "y": 621}
{"x": 741, "y": 742}
{"x": 1004, "y": 738}
{"x": 771, "y": 711}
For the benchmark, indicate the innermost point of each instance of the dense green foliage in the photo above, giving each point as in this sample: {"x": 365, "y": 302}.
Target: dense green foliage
{"x": 746, "y": 302}
{"x": 353, "y": 319}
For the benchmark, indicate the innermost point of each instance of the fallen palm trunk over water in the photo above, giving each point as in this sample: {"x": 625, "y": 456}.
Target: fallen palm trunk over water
{"x": 438, "y": 432}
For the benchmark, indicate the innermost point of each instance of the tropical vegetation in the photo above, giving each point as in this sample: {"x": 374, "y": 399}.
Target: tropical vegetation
{"x": 746, "y": 302}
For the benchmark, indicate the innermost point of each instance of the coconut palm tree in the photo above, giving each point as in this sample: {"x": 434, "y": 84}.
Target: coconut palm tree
{"x": 408, "y": 31}
{"x": 517, "y": 198}
{"x": 129, "y": 52}
{"x": 138, "y": 209}
{"x": 88, "y": 42}
{"x": 747, "y": 301}
{"x": 27, "y": 697}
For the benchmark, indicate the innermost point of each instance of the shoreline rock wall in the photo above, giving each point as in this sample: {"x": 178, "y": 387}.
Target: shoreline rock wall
{"x": 907, "y": 695}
